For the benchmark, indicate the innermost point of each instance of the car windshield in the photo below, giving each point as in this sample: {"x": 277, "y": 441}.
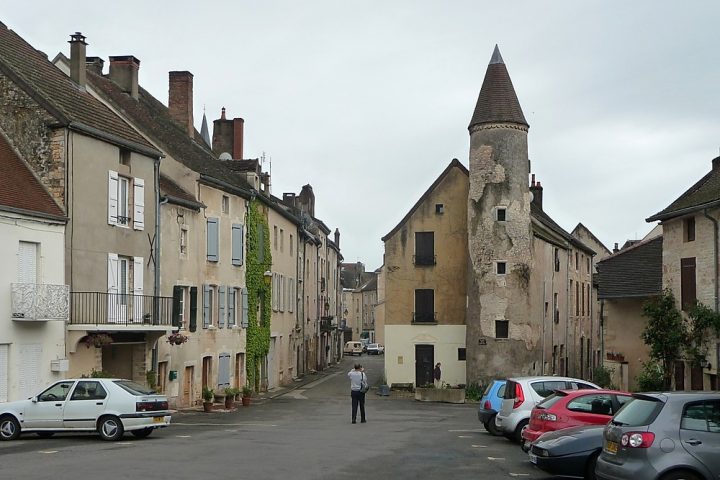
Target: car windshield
{"x": 551, "y": 400}
{"x": 638, "y": 412}
{"x": 134, "y": 388}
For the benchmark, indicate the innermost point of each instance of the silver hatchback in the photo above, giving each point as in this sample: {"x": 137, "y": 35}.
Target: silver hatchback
{"x": 668, "y": 436}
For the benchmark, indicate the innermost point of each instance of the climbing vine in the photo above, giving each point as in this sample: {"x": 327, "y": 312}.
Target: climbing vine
{"x": 259, "y": 261}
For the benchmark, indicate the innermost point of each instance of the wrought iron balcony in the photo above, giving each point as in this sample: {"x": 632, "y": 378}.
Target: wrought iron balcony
{"x": 424, "y": 317}
{"x": 424, "y": 260}
{"x": 327, "y": 323}
{"x": 100, "y": 308}
{"x": 39, "y": 302}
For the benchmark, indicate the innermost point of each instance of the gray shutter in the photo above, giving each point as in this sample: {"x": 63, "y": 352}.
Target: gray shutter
{"x": 231, "y": 306}
{"x": 221, "y": 306}
{"x": 223, "y": 370}
{"x": 193, "y": 309}
{"x": 212, "y": 240}
{"x": 237, "y": 244}
{"x": 177, "y": 305}
{"x": 206, "y": 305}
{"x": 244, "y": 294}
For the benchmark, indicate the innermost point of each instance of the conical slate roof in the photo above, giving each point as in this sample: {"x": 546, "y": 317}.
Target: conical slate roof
{"x": 497, "y": 101}
{"x": 205, "y": 132}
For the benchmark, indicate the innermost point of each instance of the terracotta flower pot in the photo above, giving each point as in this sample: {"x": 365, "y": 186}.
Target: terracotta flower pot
{"x": 207, "y": 406}
{"x": 229, "y": 400}
{"x": 246, "y": 401}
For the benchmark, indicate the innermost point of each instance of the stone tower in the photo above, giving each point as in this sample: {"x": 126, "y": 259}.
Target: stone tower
{"x": 499, "y": 233}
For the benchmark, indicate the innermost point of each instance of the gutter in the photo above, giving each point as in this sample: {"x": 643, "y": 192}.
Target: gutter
{"x": 114, "y": 139}
{"x": 683, "y": 211}
{"x": 246, "y": 194}
{"x": 197, "y": 206}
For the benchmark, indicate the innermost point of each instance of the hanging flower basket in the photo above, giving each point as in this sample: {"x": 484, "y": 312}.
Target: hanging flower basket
{"x": 177, "y": 338}
{"x": 97, "y": 340}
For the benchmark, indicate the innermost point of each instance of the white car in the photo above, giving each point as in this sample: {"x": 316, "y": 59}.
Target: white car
{"x": 109, "y": 406}
{"x": 375, "y": 349}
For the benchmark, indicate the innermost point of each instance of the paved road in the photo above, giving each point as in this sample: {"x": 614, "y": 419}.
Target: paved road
{"x": 303, "y": 434}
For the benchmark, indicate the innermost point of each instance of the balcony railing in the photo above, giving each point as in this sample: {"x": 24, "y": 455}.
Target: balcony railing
{"x": 424, "y": 317}
{"x": 327, "y": 323}
{"x": 33, "y": 302}
{"x": 100, "y": 308}
{"x": 424, "y": 260}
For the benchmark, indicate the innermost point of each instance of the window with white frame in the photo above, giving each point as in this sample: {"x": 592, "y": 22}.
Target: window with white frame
{"x": 225, "y": 204}
{"x": 183, "y": 240}
{"x": 122, "y": 209}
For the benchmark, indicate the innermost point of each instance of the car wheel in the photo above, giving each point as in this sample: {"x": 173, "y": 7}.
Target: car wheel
{"x": 110, "y": 428}
{"x": 517, "y": 435}
{"x": 680, "y": 475}
{"x": 144, "y": 433}
{"x": 44, "y": 434}
{"x": 491, "y": 427}
{"x": 9, "y": 428}
{"x": 590, "y": 466}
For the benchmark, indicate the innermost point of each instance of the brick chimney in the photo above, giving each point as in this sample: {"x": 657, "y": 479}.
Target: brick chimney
{"x": 180, "y": 100}
{"x": 715, "y": 163}
{"x": 615, "y": 248}
{"x": 228, "y": 136}
{"x": 537, "y": 192}
{"x": 124, "y": 72}
{"x": 95, "y": 65}
{"x": 77, "y": 58}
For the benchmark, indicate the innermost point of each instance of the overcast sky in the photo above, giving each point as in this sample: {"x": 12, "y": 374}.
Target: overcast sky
{"x": 369, "y": 101}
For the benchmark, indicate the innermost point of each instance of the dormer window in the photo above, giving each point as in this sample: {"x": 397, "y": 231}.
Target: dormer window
{"x": 501, "y": 214}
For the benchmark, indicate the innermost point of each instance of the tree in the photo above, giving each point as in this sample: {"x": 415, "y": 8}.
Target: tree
{"x": 665, "y": 333}
{"x": 702, "y": 322}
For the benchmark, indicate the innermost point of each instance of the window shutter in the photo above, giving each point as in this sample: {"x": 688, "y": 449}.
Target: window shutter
{"x": 206, "y": 305}
{"x": 688, "y": 294}
{"x": 237, "y": 244}
{"x": 27, "y": 263}
{"x": 221, "y": 306}
{"x": 193, "y": 308}
{"x": 212, "y": 239}
{"x": 231, "y": 306}
{"x": 139, "y": 198}
{"x": 291, "y": 295}
{"x": 112, "y": 273}
{"x": 112, "y": 197}
{"x": 137, "y": 299}
{"x": 177, "y": 304}
{"x": 224, "y": 370}
{"x": 281, "y": 292}
{"x": 244, "y": 294}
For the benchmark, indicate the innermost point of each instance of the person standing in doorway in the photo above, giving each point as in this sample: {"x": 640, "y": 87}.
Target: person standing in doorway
{"x": 358, "y": 383}
{"x": 436, "y": 375}
{"x": 327, "y": 354}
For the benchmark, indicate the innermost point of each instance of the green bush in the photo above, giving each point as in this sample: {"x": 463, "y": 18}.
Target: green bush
{"x": 602, "y": 375}
{"x": 651, "y": 377}
{"x": 473, "y": 392}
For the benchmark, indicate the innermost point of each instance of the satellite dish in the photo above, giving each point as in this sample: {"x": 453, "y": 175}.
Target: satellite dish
{"x": 225, "y": 156}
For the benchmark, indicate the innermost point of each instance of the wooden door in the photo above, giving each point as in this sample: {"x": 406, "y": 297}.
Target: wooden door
{"x": 696, "y": 377}
{"x": 162, "y": 376}
{"x": 424, "y": 364}
{"x": 188, "y": 393}
{"x": 206, "y": 372}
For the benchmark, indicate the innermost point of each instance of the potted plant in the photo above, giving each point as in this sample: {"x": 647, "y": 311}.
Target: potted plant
{"x": 97, "y": 340}
{"x": 207, "y": 395}
{"x": 246, "y": 395}
{"x": 229, "y": 397}
{"x": 177, "y": 338}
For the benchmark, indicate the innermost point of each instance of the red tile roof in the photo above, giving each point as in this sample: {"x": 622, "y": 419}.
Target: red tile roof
{"x": 19, "y": 189}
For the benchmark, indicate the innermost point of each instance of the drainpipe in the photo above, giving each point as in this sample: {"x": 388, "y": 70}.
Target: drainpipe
{"x": 592, "y": 318}
{"x": 542, "y": 355}
{"x": 156, "y": 286}
{"x": 567, "y": 317}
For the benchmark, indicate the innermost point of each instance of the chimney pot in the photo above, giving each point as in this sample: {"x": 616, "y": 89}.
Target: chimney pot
{"x": 77, "y": 58}
{"x": 616, "y": 249}
{"x": 222, "y": 116}
{"x": 124, "y": 72}
{"x": 95, "y": 65}
{"x": 537, "y": 192}
{"x": 715, "y": 163}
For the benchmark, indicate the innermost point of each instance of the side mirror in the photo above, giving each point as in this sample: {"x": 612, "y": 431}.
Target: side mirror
{"x": 34, "y": 399}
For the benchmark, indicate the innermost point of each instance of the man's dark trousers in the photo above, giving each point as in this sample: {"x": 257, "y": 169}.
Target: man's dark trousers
{"x": 358, "y": 398}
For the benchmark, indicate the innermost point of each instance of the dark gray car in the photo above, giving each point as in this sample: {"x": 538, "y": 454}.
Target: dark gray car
{"x": 666, "y": 436}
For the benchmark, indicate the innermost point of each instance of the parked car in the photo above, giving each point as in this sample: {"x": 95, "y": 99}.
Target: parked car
{"x": 666, "y": 436}
{"x": 353, "y": 348}
{"x": 489, "y": 405}
{"x": 570, "y": 452}
{"x": 107, "y": 406}
{"x": 375, "y": 349}
{"x": 523, "y": 393}
{"x": 572, "y": 408}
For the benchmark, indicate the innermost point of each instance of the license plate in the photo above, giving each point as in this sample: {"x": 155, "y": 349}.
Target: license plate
{"x": 533, "y": 458}
{"x": 611, "y": 447}
{"x": 158, "y": 420}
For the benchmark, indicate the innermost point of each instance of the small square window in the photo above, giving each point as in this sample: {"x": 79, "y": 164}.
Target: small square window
{"x": 500, "y": 268}
{"x": 501, "y": 328}
{"x": 462, "y": 352}
{"x": 124, "y": 157}
{"x": 183, "y": 240}
{"x": 225, "y": 204}
{"x": 500, "y": 214}
{"x": 439, "y": 208}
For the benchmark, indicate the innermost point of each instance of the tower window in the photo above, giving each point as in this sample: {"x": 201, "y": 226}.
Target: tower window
{"x": 689, "y": 229}
{"x": 439, "y": 208}
{"x": 500, "y": 214}
{"x": 500, "y": 268}
{"x": 501, "y": 329}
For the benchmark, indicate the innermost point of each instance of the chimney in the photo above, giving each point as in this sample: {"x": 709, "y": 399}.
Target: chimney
{"x": 124, "y": 72}
{"x": 715, "y": 163}
{"x": 238, "y": 138}
{"x": 228, "y": 136}
{"x": 616, "y": 249}
{"x": 95, "y": 65}
{"x": 77, "y": 58}
{"x": 307, "y": 200}
{"x": 337, "y": 238}
{"x": 537, "y": 192}
{"x": 180, "y": 100}
{"x": 289, "y": 199}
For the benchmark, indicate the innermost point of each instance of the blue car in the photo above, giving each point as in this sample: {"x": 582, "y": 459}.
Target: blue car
{"x": 490, "y": 404}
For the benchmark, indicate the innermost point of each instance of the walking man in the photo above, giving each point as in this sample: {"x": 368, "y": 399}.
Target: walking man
{"x": 358, "y": 387}
{"x": 436, "y": 375}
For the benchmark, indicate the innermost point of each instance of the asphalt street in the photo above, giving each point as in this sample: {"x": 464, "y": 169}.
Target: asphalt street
{"x": 301, "y": 433}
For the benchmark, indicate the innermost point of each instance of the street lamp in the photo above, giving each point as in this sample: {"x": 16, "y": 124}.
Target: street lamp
{"x": 267, "y": 276}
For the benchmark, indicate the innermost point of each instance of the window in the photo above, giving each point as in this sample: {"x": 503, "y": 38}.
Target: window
{"x": 27, "y": 263}
{"x": 687, "y": 283}
{"x": 119, "y": 204}
{"x": 577, "y": 261}
{"x": 545, "y": 389}
{"x": 124, "y": 157}
{"x": 500, "y": 268}
{"x": 424, "y": 248}
{"x": 502, "y": 329}
{"x": 588, "y": 265}
{"x": 424, "y": 306}
{"x": 582, "y": 295}
{"x": 701, "y": 416}
{"x": 282, "y": 240}
{"x": 213, "y": 240}
{"x": 599, "y": 404}
{"x": 225, "y": 204}
{"x": 291, "y": 245}
{"x": 208, "y": 305}
{"x": 275, "y": 237}
{"x": 577, "y": 298}
{"x": 183, "y": 240}
{"x": 462, "y": 353}
{"x": 123, "y": 216}
{"x": 178, "y": 309}
{"x": 557, "y": 260}
{"x": 88, "y": 390}
{"x": 231, "y": 306}
{"x": 439, "y": 208}
{"x": 500, "y": 214}
{"x": 689, "y": 229}
{"x": 57, "y": 392}
{"x": 556, "y": 310}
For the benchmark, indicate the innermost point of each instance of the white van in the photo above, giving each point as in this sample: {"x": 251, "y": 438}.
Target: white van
{"x": 353, "y": 348}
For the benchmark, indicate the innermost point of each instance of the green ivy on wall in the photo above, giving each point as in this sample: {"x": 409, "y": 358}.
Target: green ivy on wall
{"x": 259, "y": 260}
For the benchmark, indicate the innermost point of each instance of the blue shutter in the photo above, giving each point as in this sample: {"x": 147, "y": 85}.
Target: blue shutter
{"x": 212, "y": 240}
{"x": 221, "y": 307}
{"x": 244, "y": 308}
{"x": 231, "y": 306}
{"x": 237, "y": 244}
{"x": 206, "y": 305}
{"x": 223, "y": 370}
